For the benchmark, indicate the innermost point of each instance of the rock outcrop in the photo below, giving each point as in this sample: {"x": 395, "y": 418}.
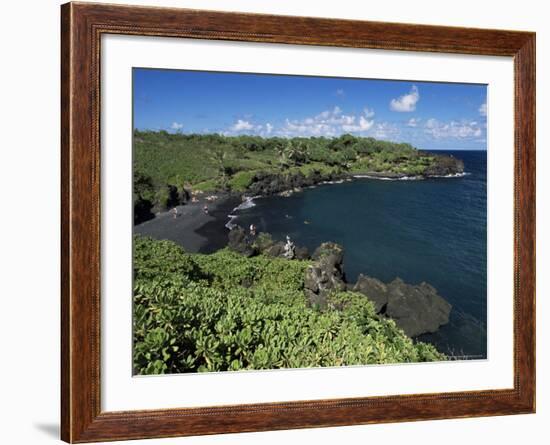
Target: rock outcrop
{"x": 275, "y": 250}
{"x": 326, "y": 275}
{"x": 376, "y": 291}
{"x": 445, "y": 165}
{"x": 265, "y": 184}
{"x": 241, "y": 242}
{"x": 247, "y": 244}
{"x": 301, "y": 253}
{"x": 417, "y": 309}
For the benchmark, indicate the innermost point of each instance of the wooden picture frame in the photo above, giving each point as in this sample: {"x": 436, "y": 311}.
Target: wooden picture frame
{"x": 82, "y": 26}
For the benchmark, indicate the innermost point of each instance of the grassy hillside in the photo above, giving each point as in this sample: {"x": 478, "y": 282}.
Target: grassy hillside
{"x": 178, "y": 158}
{"x": 168, "y": 167}
{"x": 165, "y": 164}
{"x": 219, "y": 312}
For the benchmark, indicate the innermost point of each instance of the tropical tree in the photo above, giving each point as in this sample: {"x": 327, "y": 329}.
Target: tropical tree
{"x": 296, "y": 152}
{"x": 281, "y": 150}
{"x": 218, "y": 154}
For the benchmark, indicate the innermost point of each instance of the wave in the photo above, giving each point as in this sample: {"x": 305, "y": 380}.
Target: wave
{"x": 452, "y": 175}
{"x": 247, "y": 203}
{"x": 230, "y": 224}
{"x": 386, "y": 178}
{"x": 411, "y": 178}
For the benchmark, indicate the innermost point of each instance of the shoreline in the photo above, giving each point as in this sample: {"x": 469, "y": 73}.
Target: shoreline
{"x": 198, "y": 232}
{"x": 388, "y": 176}
{"x": 194, "y": 230}
{"x": 248, "y": 201}
{"x": 205, "y": 234}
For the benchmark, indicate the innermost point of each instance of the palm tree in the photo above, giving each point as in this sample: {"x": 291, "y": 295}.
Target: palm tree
{"x": 296, "y": 152}
{"x": 281, "y": 153}
{"x": 218, "y": 154}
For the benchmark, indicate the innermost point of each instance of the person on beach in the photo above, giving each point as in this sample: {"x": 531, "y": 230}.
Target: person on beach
{"x": 175, "y": 212}
{"x": 205, "y": 209}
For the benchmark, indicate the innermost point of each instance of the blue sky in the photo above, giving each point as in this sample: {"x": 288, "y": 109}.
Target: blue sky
{"x": 428, "y": 115}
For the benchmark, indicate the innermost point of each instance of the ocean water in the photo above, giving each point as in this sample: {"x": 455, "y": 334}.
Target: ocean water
{"x": 433, "y": 230}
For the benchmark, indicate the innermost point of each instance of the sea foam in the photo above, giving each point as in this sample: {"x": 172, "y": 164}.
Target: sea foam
{"x": 247, "y": 203}
{"x": 411, "y": 178}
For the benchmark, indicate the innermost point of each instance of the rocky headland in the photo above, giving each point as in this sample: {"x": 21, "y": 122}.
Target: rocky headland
{"x": 416, "y": 308}
{"x": 266, "y": 184}
{"x": 269, "y": 183}
{"x": 441, "y": 166}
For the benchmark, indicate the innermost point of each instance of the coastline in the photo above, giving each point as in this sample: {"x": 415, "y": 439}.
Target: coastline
{"x": 207, "y": 234}
{"x": 198, "y": 232}
{"x": 388, "y": 176}
{"x": 248, "y": 201}
{"x": 391, "y": 225}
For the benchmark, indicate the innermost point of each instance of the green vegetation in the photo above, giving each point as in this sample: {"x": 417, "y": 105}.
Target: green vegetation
{"x": 166, "y": 164}
{"x": 218, "y": 312}
{"x": 241, "y": 180}
{"x": 393, "y": 162}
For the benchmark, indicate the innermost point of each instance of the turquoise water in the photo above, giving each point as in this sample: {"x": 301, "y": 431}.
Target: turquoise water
{"x": 433, "y": 230}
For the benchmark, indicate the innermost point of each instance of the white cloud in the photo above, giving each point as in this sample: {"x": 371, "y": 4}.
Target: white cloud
{"x": 413, "y": 122}
{"x": 407, "y": 102}
{"x": 363, "y": 125}
{"x": 386, "y": 130}
{"x": 483, "y": 109}
{"x": 368, "y": 112}
{"x": 176, "y": 126}
{"x": 328, "y": 123}
{"x": 241, "y": 125}
{"x": 453, "y": 129}
{"x": 340, "y": 92}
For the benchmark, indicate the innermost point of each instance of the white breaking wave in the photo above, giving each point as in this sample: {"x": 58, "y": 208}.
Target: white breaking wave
{"x": 246, "y": 204}
{"x": 385, "y": 178}
{"x": 411, "y": 178}
{"x": 230, "y": 225}
{"x": 452, "y": 175}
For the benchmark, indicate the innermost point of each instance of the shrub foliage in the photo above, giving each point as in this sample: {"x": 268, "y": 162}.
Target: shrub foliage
{"x": 222, "y": 312}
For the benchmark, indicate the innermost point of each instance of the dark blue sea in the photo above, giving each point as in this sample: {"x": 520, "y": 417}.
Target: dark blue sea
{"x": 432, "y": 230}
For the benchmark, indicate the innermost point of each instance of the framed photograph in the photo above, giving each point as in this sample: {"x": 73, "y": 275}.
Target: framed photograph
{"x": 274, "y": 222}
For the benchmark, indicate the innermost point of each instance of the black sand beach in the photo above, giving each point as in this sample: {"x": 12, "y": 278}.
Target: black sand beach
{"x": 193, "y": 229}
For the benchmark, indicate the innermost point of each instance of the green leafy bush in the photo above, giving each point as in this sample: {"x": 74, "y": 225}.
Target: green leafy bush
{"x": 263, "y": 242}
{"x": 223, "y": 312}
{"x": 241, "y": 180}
